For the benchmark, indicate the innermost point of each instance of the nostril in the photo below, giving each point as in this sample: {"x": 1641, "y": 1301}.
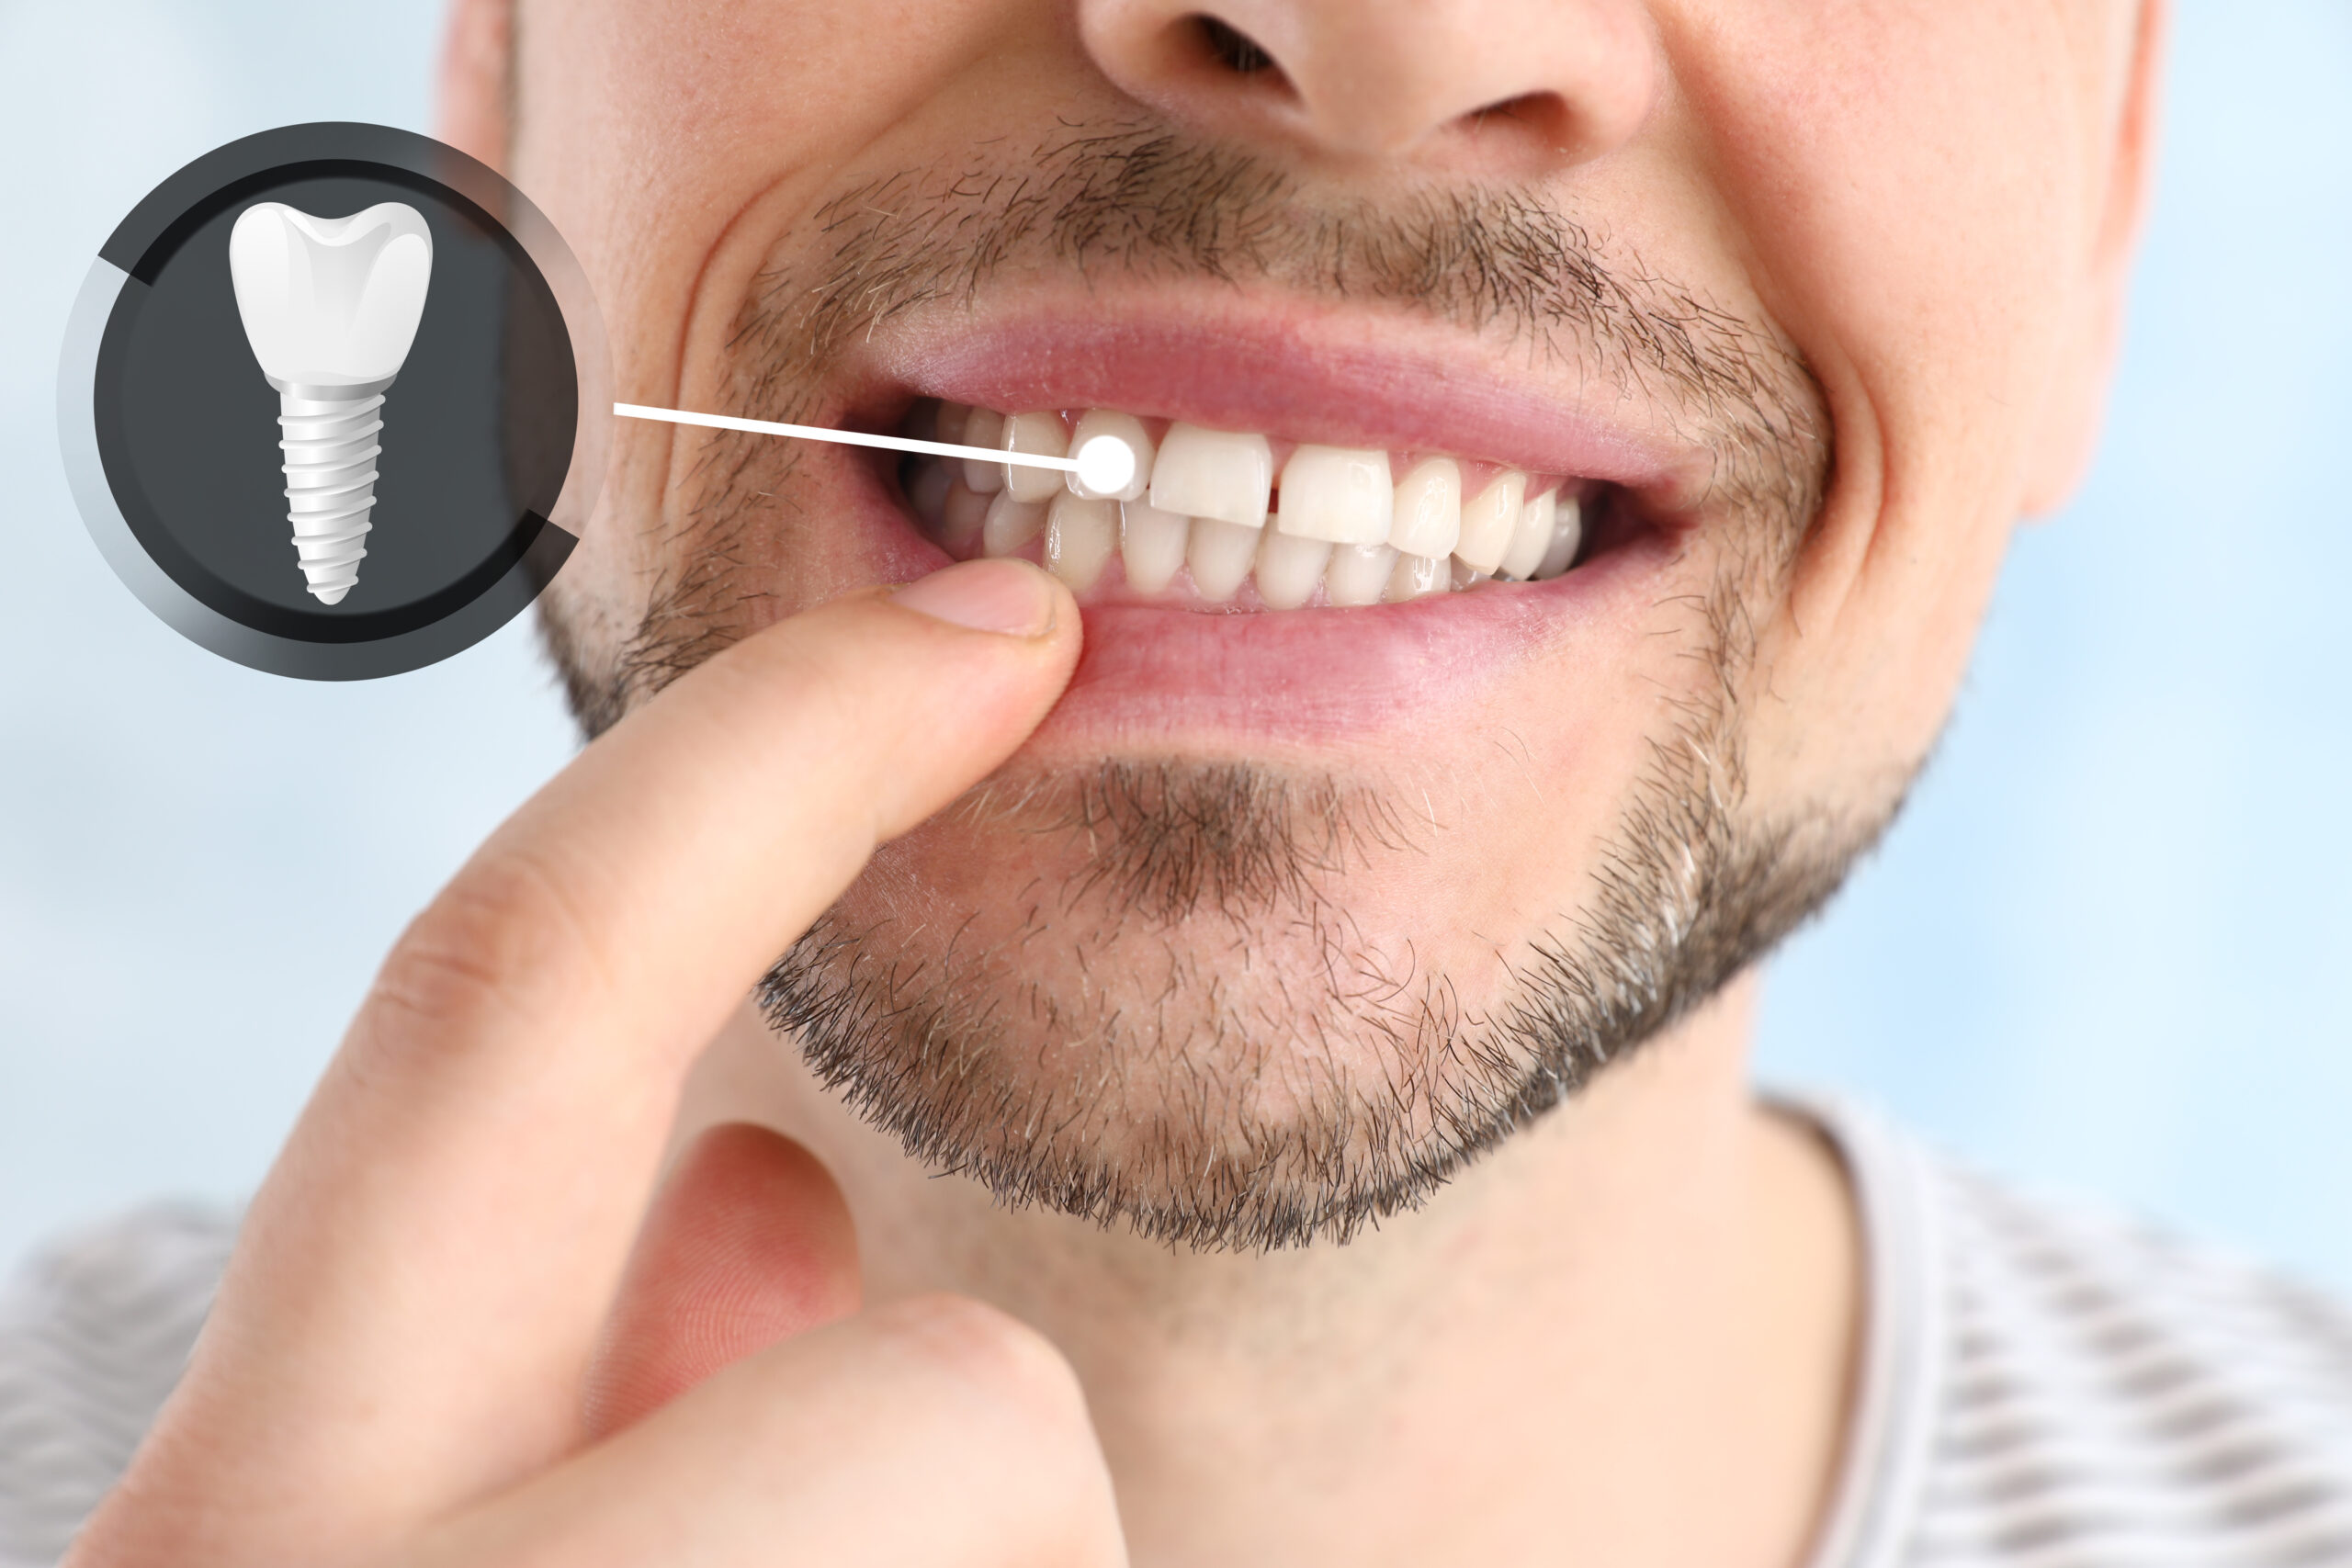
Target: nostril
{"x": 1233, "y": 49}
{"x": 1546, "y": 115}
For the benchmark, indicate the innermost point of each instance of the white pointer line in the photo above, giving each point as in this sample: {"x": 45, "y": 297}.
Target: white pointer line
{"x": 846, "y": 437}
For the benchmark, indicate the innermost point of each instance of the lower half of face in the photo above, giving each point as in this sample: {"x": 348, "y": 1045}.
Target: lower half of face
{"x": 1342, "y": 856}
{"x": 1445, "y": 726}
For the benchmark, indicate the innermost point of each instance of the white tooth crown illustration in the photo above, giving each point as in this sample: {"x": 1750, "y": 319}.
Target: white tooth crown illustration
{"x": 331, "y": 306}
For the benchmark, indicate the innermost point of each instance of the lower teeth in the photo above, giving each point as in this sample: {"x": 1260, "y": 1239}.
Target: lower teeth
{"x": 1077, "y": 539}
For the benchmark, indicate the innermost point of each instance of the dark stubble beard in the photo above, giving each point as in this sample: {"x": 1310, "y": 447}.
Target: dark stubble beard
{"x": 982, "y": 1068}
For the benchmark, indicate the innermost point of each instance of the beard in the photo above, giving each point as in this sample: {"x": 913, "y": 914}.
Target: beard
{"x": 1194, "y": 1021}
{"x": 1192, "y": 1035}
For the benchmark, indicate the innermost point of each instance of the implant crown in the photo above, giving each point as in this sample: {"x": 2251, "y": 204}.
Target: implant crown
{"x": 330, "y": 302}
{"x": 331, "y": 308}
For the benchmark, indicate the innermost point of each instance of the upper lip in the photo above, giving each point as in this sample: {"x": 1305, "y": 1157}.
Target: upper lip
{"x": 1318, "y": 378}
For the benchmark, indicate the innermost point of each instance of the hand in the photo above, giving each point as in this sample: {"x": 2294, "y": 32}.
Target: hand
{"x": 443, "y": 1339}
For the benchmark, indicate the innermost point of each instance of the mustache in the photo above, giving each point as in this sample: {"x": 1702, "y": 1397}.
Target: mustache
{"x": 1144, "y": 202}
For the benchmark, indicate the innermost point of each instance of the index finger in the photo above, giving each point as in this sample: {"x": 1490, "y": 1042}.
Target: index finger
{"x": 423, "y": 1276}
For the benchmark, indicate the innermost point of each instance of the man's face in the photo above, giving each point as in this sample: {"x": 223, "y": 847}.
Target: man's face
{"x": 1286, "y": 911}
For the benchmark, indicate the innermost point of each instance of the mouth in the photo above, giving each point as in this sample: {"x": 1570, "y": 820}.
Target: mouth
{"x": 1308, "y": 545}
{"x": 1366, "y": 489}
{"x": 1186, "y": 516}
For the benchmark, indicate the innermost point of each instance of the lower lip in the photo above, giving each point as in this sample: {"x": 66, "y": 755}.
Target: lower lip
{"x": 1152, "y": 678}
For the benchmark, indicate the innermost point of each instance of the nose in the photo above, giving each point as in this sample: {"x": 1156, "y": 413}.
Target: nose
{"x": 1518, "y": 86}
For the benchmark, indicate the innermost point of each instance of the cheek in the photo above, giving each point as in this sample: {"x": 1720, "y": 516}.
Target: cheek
{"x": 653, "y": 130}
{"x": 671, "y": 143}
{"x": 646, "y": 129}
{"x": 1911, "y": 179}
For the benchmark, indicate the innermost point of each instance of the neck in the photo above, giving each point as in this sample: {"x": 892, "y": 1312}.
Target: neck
{"x": 1649, "y": 1296}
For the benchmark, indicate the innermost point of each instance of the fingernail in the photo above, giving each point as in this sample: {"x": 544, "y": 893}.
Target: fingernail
{"x": 1008, "y": 596}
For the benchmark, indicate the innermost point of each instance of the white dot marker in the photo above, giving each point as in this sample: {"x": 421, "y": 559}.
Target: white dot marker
{"x": 1106, "y": 464}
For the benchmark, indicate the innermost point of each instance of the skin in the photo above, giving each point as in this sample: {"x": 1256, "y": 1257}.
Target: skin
{"x": 462, "y": 1326}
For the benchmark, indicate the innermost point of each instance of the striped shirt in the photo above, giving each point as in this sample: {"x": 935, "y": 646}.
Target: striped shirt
{"x": 2041, "y": 1387}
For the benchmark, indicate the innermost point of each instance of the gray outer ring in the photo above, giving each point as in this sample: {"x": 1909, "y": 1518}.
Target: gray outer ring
{"x": 77, "y": 430}
{"x": 103, "y": 292}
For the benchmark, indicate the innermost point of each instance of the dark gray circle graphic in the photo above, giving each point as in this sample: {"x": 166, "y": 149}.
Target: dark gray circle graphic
{"x": 492, "y": 429}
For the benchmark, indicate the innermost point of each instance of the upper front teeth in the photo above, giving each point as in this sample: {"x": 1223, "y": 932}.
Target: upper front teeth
{"x": 1214, "y": 473}
{"x": 983, "y": 427}
{"x": 1040, "y": 435}
{"x": 1488, "y": 520}
{"x": 1426, "y": 511}
{"x": 1530, "y": 539}
{"x": 1114, "y": 457}
{"x": 1337, "y": 494}
{"x": 1340, "y": 520}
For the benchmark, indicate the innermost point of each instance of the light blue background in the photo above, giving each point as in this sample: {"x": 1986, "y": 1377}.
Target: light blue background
{"x": 2109, "y": 948}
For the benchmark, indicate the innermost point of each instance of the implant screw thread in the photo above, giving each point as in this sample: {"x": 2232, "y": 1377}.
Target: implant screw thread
{"x": 331, "y": 450}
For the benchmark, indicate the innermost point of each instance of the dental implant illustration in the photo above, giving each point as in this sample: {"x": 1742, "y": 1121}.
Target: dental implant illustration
{"x": 331, "y": 306}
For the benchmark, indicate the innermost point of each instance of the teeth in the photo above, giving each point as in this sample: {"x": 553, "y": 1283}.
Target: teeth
{"x": 1040, "y": 435}
{"x": 1288, "y": 568}
{"x": 1151, "y": 544}
{"x": 1428, "y": 509}
{"x": 1215, "y": 474}
{"x": 1099, "y": 425}
{"x": 1417, "y": 575}
{"x": 1010, "y": 524}
{"x": 984, "y": 428}
{"x": 1220, "y": 555}
{"x": 928, "y": 494}
{"x": 964, "y": 516}
{"x": 1567, "y": 533}
{"x": 1342, "y": 522}
{"x": 1337, "y": 493}
{"x": 1529, "y": 540}
{"x": 1359, "y": 573}
{"x": 1489, "y": 521}
{"x": 1080, "y": 534}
